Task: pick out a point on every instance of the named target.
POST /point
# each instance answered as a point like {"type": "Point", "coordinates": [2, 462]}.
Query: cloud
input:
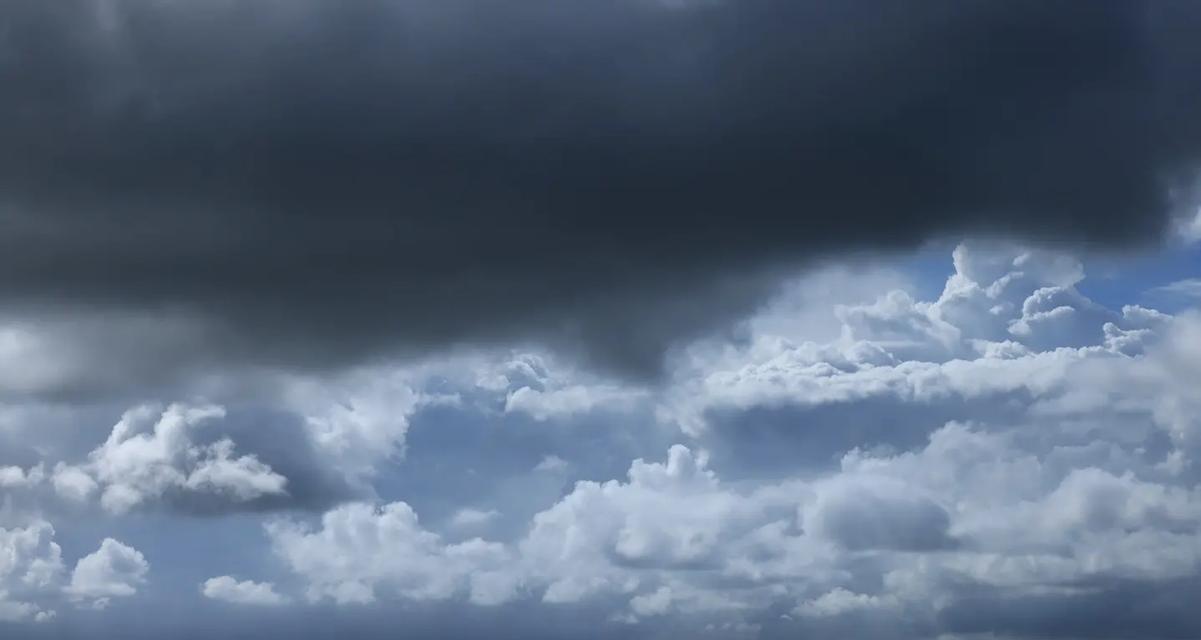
{"type": "Point", "coordinates": [1189, 289]}
{"type": "Point", "coordinates": [1189, 229]}
{"type": "Point", "coordinates": [13, 477]}
{"type": "Point", "coordinates": [150, 456]}
{"type": "Point", "coordinates": [1009, 320]}
{"type": "Point", "coordinates": [1033, 445]}
{"type": "Point", "coordinates": [546, 404]}
{"type": "Point", "coordinates": [248, 592]}
{"type": "Point", "coordinates": [674, 539]}
{"type": "Point", "coordinates": [360, 549]}
{"type": "Point", "coordinates": [840, 601]}
{"type": "Point", "coordinates": [652, 604]}
{"type": "Point", "coordinates": [671, 515]}
{"type": "Point", "coordinates": [54, 355]}
{"type": "Point", "coordinates": [473, 517]}
{"type": "Point", "coordinates": [32, 573]}
{"type": "Point", "coordinates": [73, 483]}
{"type": "Point", "coordinates": [359, 419]}
{"type": "Point", "coordinates": [865, 513]}
{"type": "Point", "coordinates": [625, 539]}
{"type": "Point", "coordinates": [115, 570]}
{"type": "Point", "coordinates": [31, 569]}
{"type": "Point", "coordinates": [608, 177]}
{"type": "Point", "coordinates": [1003, 455]}
{"type": "Point", "coordinates": [551, 464]}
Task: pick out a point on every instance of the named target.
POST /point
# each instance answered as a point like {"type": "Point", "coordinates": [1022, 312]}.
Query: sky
{"type": "Point", "coordinates": [600, 319]}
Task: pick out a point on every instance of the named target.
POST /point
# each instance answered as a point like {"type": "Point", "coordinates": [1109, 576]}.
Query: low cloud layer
{"type": "Point", "coordinates": [1079, 493]}
{"type": "Point", "coordinates": [1005, 456]}
{"type": "Point", "coordinates": [312, 183]}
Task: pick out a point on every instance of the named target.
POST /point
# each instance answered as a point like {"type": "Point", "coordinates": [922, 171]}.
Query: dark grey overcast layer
{"type": "Point", "coordinates": [326, 179]}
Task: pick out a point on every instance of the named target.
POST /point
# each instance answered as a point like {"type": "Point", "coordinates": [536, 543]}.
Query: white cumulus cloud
{"type": "Point", "coordinates": [115, 570]}
{"type": "Point", "coordinates": [31, 569]}
{"type": "Point", "coordinates": [150, 454]}
{"type": "Point", "coordinates": [249, 592]}
{"type": "Point", "coordinates": [359, 548]}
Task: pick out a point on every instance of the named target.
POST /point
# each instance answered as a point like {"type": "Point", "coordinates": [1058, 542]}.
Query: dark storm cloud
{"type": "Point", "coordinates": [322, 180]}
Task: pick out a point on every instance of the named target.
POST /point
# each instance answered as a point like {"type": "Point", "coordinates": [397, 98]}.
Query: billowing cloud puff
{"type": "Point", "coordinates": [1008, 321]}
{"type": "Point", "coordinates": [115, 570]}
{"type": "Point", "coordinates": [671, 516]}
{"type": "Point", "coordinates": [360, 550]}
{"type": "Point", "coordinates": [150, 456]}
{"type": "Point", "coordinates": [33, 576]}
{"type": "Point", "coordinates": [31, 568]}
{"type": "Point", "coordinates": [531, 388]}
{"type": "Point", "coordinates": [14, 477]}
{"type": "Point", "coordinates": [248, 592]}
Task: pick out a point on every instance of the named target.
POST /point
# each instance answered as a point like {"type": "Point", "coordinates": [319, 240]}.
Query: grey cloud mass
{"type": "Point", "coordinates": [639, 319]}
{"type": "Point", "coordinates": [318, 182]}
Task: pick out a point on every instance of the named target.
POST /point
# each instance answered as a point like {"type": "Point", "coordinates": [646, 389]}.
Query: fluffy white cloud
{"type": "Point", "coordinates": [32, 573]}
{"type": "Point", "coordinates": [361, 550]}
{"type": "Point", "coordinates": [115, 570]}
{"type": "Point", "coordinates": [535, 390]}
{"type": "Point", "coordinates": [150, 454]}
{"type": "Point", "coordinates": [73, 483]}
{"type": "Point", "coordinates": [13, 477]}
{"type": "Point", "coordinates": [359, 420]}
{"type": "Point", "coordinates": [31, 569]}
{"type": "Point", "coordinates": [1031, 519]}
{"type": "Point", "coordinates": [671, 516]}
{"type": "Point", "coordinates": [645, 539]}
{"type": "Point", "coordinates": [243, 478]}
{"type": "Point", "coordinates": [1008, 320]}
{"type": "Point", "coordinates": [249, 592]}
